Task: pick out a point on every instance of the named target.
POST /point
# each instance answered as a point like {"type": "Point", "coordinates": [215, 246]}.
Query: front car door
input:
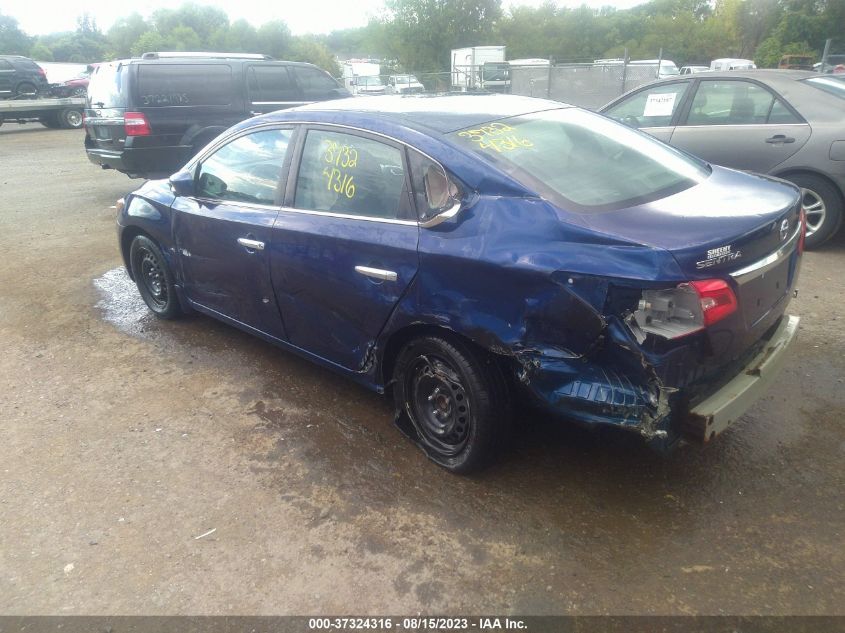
{"type": "Point", "coordinates": [653, 109]}
{"type": "Point", "coordinates": [271, 87]}
{"type": "Point", "coordinates": [344, 248]}
{"type": "Point", "coordinates": [740, 124]}
{"type": "Point", "coordinates": [222, 234]}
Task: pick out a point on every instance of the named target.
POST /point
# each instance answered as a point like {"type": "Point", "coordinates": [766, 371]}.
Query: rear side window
{"type": "Point", "coordinates": [245, 170]}
{"type": "Point", "coordinates": [162, 85]}
{"type": "Point", "coordinates": [315, 83]}
{"type": "Point", "coordinates": [104, 91]}
{"type": "Point", "coordinates": [5, 65]}
{"type": "Point", "coordinates": [270, 84]}
{"type": "Point", "coordinates": [736, 103]}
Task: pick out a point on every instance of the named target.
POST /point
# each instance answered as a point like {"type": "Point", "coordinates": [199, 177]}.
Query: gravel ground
{"type": "Point", "coordinates": [186, 468]}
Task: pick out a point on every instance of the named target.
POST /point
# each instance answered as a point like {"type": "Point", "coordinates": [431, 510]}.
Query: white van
{"type": "Point", "coordinates": [729, 63]}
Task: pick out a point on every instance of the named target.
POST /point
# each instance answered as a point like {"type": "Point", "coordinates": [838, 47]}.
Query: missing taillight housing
{"type": "Point", "coordinates": [136, 124]}
{"type": "Point", "coordinates": [685, 309]}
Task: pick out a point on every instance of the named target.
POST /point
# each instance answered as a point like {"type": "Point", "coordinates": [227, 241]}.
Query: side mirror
{"type": "Point", "coordinates": [182, 184]}
{"type": "Point", "coordinates": [444, 198]}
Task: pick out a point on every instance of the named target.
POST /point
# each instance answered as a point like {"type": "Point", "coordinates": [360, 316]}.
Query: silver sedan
{"type": "Point", "coordinates": [786, 123]}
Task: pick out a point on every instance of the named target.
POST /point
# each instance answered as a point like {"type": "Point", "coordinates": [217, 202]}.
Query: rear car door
{"type": "Point", "coordinates": [740, 124]}
{"type": "Point", "coordinates": [7, 75]}
{"type": "Point", "coordinates": [223, 233]}
{"type": "Point", "coordinates": [271, 87]}
{"type": "Point", "coordinates": [653, 109]}
{"type": "Point", "coordinates": [344, 248]}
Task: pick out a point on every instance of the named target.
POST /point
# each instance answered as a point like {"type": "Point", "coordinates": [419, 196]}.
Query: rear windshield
{"type": "Point", "coordinates": [582, 161]}
{"type": "Point", "coordinates": [104, 90]}
{"type": "Point", "coordinates": [161, 85]}
{"type": "Point", "coordinates": [831, 85]}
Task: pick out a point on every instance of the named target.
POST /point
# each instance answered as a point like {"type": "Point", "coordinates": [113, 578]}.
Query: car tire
{"type": "Point", "coordinates": [25, 89]}
{"type": "Point", "coordinates": [79, 92]}
{"type": "Point", "coordinates": [70, 119]}
{"type": "Point", "coordinates": [824, 207]}
{"type": "Point", "coordinates": [456, 400]}
{"type": "Point", "coordinates": [153, 277]}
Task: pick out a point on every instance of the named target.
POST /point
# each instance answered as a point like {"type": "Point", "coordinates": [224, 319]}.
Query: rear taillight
{"type": "Point", "coordinates": [803, 235]}
{"type": "Point", "coordinates": [136, 124]}
{"type": "Point", "coordinates": [685, 309]}
{"type": "Point", "coordinates": [42, 72]}
{"type": "Point", "coordinates": [716, 298]}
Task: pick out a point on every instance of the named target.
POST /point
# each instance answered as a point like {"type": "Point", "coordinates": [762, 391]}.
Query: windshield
{"type": "Point", "coordinates": [370, 81]}
{"type": "Point", "coordinates": [104, 91]}
{"type": "Point", "coordinates": [583, 161]}
{"type": "Point", "coordinates": [669, 68]}
{"type": "Point", "coordinates": [831, 85]}
{"type": "Point", "coordinates": [406, 79]}
{"type": "Point", "coordinates": [496, 71]}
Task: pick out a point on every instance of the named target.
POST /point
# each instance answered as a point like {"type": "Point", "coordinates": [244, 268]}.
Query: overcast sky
{"type": "Point", "coordinates": [314, 16]}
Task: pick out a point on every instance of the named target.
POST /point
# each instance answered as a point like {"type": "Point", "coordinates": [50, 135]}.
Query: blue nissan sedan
{"type": "Point", "coordinates": [458, 250]}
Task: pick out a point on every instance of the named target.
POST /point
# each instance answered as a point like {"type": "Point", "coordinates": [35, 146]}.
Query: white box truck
{"type": "Point", "coordinates": [479, 68]}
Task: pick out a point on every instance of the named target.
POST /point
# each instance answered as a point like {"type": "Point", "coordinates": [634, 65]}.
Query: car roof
{"type": "Point", "coordinates": [442, 113]}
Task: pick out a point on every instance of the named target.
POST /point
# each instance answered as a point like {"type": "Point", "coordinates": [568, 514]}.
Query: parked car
{"type": "Point", "coordinates": [145, 117]}
{"type": "Point", "coordinates": [76, 86]}
{"type": "Point", "coordinates": [458, 250]}
{"type": "Point", "coordinates": [20, 77]}
{"type": "Point", "coordinates": [690, 70]}
{"type": "Point", "coordinates": [786, 123]}
{"type": "Point", "coordinates": [404, 85]}
{"type": "Point", "coordinates": [369, 86]}
{"type": "Point", "coordinates": [796, 62]}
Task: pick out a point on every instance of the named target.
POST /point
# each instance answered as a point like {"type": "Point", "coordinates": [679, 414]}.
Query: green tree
{"type": "Point", "coordinates": [420, 33]}
{"type": "Point", "coordinates": [41, 52]}
{"type": "Point", "coordinates": [13, 41]}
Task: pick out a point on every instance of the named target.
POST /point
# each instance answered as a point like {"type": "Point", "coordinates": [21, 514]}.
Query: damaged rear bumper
{"type": "Point", "coordinates": [718, 411]}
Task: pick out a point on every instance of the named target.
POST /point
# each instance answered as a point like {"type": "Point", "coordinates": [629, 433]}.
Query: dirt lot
{"type": "Point", "coordinates": [126, 439]}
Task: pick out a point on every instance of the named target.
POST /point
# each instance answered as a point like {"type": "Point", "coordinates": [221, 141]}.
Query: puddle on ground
{"type": "Point", "coordinates": [121, 304]}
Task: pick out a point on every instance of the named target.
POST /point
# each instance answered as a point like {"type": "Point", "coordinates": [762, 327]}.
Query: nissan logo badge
{"type": "Point", "coordinates": [784, 229]}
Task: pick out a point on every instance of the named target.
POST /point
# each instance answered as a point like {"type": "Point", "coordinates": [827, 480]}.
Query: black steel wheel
{"type": "Point", "coordinates": [153, 278]}
{"type": "Point", "coordinates": [455, 399]}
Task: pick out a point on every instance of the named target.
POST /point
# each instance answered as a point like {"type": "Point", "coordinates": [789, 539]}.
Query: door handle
{"type": "Point", "coordinates": [780, 138]}
{"type": "Point", "coordinates": [376, 273]}
{"type": "Point", "coordinates": [253, 245]}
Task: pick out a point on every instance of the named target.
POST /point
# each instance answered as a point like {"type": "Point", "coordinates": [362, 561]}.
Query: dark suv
{"type": "Point", "coordinates": [20, 76]}
{"type": "Point", "coordinates": [146, 117]}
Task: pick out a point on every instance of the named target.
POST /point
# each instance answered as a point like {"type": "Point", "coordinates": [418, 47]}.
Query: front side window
{"type": "Point", "coordinates": [271, 84]}
{"type": "Point", "coordinates": [315, 83]}
{"type": "Point", "coordinates": [347, 174]}
{"type": "Point", "coordinates": [653, 107]}
{"type": "Point", "coordinates": [582, 161]}
{"type": "Point", "coordinates": [245, 170]}
{"type": "Point", "coordinates": [736, 103]}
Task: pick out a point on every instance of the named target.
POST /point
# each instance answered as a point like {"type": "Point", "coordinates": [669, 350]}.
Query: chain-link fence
{"type": "Point", "coordinates": [585, 84]}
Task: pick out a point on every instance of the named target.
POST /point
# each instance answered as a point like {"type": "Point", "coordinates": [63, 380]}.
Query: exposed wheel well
{"type": "Point", "coordinates": [129, 234]}
{"type": "Point", "coordinates": [809, 172]}
{"type": "Point", "coordinates": [398, 339]}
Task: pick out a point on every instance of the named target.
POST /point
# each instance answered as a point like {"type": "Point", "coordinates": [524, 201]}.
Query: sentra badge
{"type": "Point", "coordinates": [720, 255]}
